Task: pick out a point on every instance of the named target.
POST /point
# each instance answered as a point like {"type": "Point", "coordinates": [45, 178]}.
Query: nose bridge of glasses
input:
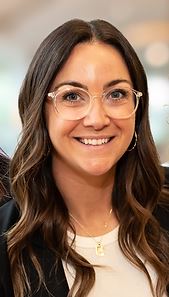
{"type": "Point", "coordinates": [96, 108]}
{"type": "Point", "coordinates": [96, 96]}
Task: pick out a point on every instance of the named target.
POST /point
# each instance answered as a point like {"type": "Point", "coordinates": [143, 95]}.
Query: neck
{"type": "Point", "coordinates": [88, 198]}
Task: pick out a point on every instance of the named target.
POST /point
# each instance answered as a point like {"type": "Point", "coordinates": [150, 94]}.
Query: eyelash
{"type": "Point", "coordinates": [122, 92]}
{"type": "Point", "coordinates": [65, 96]}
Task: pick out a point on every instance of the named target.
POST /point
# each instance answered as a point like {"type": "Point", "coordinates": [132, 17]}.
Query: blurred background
{"type": "Point", "coordinates": [25, 23]}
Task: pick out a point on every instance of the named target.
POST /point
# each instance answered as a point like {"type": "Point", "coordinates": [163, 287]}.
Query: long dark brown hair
{"type": "Point", "coordinates": [4, 177]}
{"type": "Point", "coordinates": [138, 187]}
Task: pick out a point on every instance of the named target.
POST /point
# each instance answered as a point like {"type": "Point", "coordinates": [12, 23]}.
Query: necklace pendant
{"type": "Point", "coordinates": [99, 249]}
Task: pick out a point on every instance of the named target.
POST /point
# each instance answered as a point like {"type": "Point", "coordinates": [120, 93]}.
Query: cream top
{"type": "Point", "coordinates": [117, 276]}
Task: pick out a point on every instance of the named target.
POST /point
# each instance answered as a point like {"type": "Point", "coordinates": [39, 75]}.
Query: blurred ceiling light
{"type": "Point", "coordinates": [159, 92]}
{"type": "Point", "coordinates": [157, 54]}
{"type": "Point", "coordinates": [159, 113]}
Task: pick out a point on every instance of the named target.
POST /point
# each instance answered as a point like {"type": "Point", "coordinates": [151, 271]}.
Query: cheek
{"type": "Point", "coordinates": [58, 129]}
{"type": "Point", "coordinates": [130, 135]}
{"type": "Point", "coordinates": [127, 129]}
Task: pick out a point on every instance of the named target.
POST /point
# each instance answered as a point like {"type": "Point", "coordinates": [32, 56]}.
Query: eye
{"type": "Point", "coordinates": [71, 96]}
{"type": "Point", "coordinates": [117, 94]}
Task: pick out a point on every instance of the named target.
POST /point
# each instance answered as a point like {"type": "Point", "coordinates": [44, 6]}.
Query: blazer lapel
{"type": "Point", "coordinates": [55, 278]}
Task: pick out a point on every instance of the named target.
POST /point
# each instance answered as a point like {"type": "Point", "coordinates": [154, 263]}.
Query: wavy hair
{"type": "Point", "coordinates": [4, 177]}
{"type": "Point", "coordinates": [138, 175]}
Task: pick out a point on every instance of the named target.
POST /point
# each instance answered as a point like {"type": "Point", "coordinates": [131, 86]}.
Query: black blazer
{"type": "Point", "coordinates": [55, 280]}
{"type": "Point", "coordinates": [57, 283]}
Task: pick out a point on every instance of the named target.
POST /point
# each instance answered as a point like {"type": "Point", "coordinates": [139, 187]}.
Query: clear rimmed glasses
{"type": "Point", "coordinates": [74, 103]}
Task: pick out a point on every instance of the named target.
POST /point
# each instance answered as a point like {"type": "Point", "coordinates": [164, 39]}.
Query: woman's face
{"type": "Point", "coordinates": [94, 144]}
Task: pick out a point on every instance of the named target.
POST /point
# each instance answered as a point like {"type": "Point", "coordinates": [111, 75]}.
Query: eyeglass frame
{"type": "Point", "coordinates": [52, 96]}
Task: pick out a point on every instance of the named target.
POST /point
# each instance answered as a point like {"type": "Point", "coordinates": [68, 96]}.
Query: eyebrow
{"type": "Point", "coordinates": [80, 85]}
{"type": "Point", "coordinates": [70, 83]}
{"type": "Point", "coordinates": [116, 82]}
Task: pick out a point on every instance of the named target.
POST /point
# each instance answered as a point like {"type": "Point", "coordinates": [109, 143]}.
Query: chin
{"type": "Point", "coordinates": [98, 169]}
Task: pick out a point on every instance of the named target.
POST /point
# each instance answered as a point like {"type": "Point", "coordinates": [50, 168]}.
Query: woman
{"type": "Point", "coordinates": [85, 176]}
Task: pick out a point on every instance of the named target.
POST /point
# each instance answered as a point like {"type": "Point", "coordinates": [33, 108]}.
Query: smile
{"type": "Point", "coordinates": [94, 141]}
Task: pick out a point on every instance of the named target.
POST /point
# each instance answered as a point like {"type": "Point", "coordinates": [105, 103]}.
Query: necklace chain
{"type": "Point", "coordinates": [99, 245]}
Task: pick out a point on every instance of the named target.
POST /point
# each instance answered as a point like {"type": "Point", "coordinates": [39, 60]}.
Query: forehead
{"type": "Point", "coordinates": [93, 63]}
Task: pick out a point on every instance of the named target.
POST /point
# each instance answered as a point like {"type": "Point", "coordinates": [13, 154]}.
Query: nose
{"type": "Point", "coordinates": [96, 116]}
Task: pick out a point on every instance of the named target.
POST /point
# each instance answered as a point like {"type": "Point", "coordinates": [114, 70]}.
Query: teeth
{"type": "Point", "coordinates": [94, 141]}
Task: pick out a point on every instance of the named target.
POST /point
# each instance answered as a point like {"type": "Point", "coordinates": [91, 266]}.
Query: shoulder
{"type": "Point", "coordinates": [6, 288]}
{"type": "Point", "coordinates": [162, 215]}
{"type": "Point", "coordinates": [162, 210]}
{"type": "Point", "coordinates": [166, 175]}
{"type": "Point", "coordinates": [9, 214]}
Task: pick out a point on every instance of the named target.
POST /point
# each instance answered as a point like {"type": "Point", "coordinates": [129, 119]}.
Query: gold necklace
{"type": "Point", "coordinates": [99, 245]}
